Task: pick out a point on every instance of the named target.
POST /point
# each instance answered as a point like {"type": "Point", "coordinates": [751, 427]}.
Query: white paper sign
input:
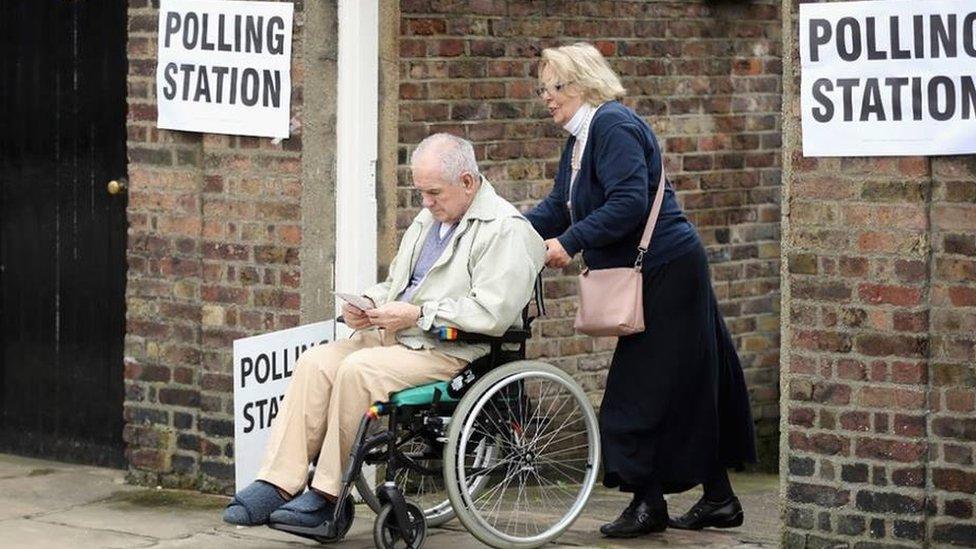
{"type": "Point", "coordinates": [886, 78]}
{"type": "Point", "coordinates": [224, 67]}
{"type": "Point", "coordinates": [263, 366]}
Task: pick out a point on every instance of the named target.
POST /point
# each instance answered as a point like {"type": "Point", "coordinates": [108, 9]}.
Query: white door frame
{"type": "Point", "coordinates": [356, 147]}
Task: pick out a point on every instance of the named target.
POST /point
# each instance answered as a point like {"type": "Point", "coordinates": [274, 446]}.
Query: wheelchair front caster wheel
{"type": "Point", "coordinates": [388, 535]}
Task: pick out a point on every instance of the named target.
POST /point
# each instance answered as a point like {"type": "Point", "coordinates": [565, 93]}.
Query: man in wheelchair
{"type": "Point", "coordinates": [468, 261]}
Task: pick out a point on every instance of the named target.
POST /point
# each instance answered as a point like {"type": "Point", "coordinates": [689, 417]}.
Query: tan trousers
{"type": "Point", "coordinates": [331, 388]}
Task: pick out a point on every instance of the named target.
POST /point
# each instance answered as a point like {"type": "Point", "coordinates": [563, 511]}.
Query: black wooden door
{"type": "Point", "coordinates": [62, 235]}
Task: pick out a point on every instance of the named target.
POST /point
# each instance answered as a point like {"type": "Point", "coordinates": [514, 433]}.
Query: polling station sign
{"type": "Point", "coordinates": [224, 66]}
{"type": "Point", "coordinates": [888, 78]}
{"type": "Point", "coordinates": [263, 366]}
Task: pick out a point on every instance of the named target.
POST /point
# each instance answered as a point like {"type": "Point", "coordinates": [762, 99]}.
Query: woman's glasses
{"type": "Point", "coordinates": [551, 90]}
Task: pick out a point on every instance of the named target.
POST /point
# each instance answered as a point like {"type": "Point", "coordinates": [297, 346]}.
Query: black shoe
{"type": "Point", "coordinates": [638, 518]}
{"type": "Point", "coordinates": [707, 514]}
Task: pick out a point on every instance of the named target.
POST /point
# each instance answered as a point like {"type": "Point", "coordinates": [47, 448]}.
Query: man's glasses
{"type": "Point", "coordinates": [551, 90]}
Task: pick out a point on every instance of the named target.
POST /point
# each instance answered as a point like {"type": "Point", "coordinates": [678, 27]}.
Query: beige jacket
{"type": "Point", "coordinates": [480, 283]}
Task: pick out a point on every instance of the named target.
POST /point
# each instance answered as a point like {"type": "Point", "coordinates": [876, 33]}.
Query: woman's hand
{"type": "Point", "coordinates": [394, 316]}
{"type": "Point", "coordinates": [355, 318]}
{"type": "Point", "coordinates": [556, 256]}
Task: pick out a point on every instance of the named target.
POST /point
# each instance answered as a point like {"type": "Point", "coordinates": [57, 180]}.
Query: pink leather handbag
{"type": "Point", "coordinates": [612, 300]}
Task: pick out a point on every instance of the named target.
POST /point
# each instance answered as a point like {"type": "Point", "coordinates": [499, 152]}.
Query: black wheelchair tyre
{"type": "Point", "coordinates": [386, 531]}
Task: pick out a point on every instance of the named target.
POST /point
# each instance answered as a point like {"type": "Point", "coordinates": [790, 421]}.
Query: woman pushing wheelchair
{"type": "Point", "coordinates": [675, 412]}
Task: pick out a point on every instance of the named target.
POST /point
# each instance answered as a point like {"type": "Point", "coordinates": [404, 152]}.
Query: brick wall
{"type": "Point", "coordinates": [706, 76]}
{"type": "Point", "coordinates": [215, 231]}
{"type": "Point", "coordinates": [219, 225]}
{"type": "Point", "coordinates": [879, 328]}
{"type": "Point", "coordinates": [951, 380]}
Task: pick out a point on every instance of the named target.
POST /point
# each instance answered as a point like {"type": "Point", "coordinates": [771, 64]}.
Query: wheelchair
{"type": "Point", "coordinates": [509, 446]}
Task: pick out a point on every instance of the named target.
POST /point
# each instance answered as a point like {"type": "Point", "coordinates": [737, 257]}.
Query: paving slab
{"type": "Point", "coordinates": [224, 541]}
{"type": "Point", "coordinates": [49, 488]}
{"type": "Point", "coordinates": [24, 533]}
{"type": "Point", "coordinates": [159, 514]}
{"type": "Point", "coordinates": [49, 504]}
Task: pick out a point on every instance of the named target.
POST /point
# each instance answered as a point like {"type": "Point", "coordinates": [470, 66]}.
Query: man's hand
{"type": "Point", "coordinates": [394, 316]}
{"type": "Point", "coordinates": [354, 317]}
{"type": "Point", "coordinates": [556, 256]}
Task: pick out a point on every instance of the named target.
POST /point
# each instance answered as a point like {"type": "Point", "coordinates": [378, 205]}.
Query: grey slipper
{"type": "Point", "coordinates": [309, 509]}
{"type": "Point", "coordinates": [253, 505]}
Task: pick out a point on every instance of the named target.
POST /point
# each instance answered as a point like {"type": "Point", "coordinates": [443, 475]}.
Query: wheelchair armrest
{"type": "Point", "coordinates": [513, 335]}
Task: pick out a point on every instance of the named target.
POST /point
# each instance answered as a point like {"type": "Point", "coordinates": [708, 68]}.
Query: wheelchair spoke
{"type": "Point", "coordinates": [562, 467]}
{"type": "Point", "coordinates": [548, 414]}
{"type": "Point", "coordinates": [551, 438]}
{"type": "Point", "coordinates": [561, 493]}
{"type": "Point", "coordinates": [500, 489]}
{"type": "Point", "coordinates": [570, 449]}
{"type": "Point", "coordinates": [545, 434]}
{"type": "Point", "coordinates": [549, 418]}
{"type": "Point", "coordinates": [554, 440]}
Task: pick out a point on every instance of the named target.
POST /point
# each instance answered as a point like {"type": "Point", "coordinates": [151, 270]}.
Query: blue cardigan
{"type": "Point", "coordinates": [612, 197]}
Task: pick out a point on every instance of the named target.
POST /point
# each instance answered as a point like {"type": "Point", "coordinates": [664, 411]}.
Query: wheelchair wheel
{"type": "Point", "coordinates": [548, 442]}
{"type": "Point", "coordinates": [387, 533]}
{"type": "Point", "coordinates": [422, 481]}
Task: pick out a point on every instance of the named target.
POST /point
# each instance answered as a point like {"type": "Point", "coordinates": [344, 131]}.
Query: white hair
{"type": "Point", "coordinates": [454, 155]}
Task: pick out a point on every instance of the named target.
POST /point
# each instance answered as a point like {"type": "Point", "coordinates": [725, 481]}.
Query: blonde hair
{"type": "Point", "coordinates": [582, 64]}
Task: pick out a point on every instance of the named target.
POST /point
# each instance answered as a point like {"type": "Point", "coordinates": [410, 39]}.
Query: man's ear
{"type": "Point", "coordinates": [468, 181]}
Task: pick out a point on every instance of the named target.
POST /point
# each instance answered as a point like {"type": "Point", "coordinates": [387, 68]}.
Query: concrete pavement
{"type": "Point", "coordinates": [54, 505]}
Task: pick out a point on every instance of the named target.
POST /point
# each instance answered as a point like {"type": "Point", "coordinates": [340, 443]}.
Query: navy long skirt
{"type": "Point", "coordinates": [676, 409]}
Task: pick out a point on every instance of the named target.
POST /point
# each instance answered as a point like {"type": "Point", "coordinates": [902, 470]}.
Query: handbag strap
{"type": "Point", "coordinates": [651, 219]}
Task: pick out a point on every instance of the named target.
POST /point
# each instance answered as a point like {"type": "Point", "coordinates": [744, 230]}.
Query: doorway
{"type": "Point", "coordinates": [62, 234]}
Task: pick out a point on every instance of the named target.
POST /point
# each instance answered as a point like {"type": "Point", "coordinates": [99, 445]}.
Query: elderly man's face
{"type": "Point", "coordinates": [446, 200]}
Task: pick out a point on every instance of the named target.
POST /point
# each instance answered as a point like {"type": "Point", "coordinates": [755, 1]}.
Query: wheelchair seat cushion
{"type": "Point", "coordinates": [422, 395]}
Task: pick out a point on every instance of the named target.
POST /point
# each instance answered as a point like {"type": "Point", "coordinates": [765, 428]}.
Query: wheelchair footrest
{"type": "Point", "coordinates": [329, 531]}
{"type": "Point", "coordinates": [324, 533]}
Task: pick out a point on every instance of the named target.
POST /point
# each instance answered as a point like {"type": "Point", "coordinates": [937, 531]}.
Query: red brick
{"type": "Point", "coordinates": [960, 400]}
{"type": "Point", "coordinates": [889, 345]}
{"type": "Point", "coordinates": [224, 294]}
{"type": "Point", "coordinates": [882, 397]}
{"type": "Point", "coordinates": [426, 26]}
{"type": "Point", "coordinates": [909, 372]}
{"type": "Point", "coordinates": [954, 218]}
{"type": "Point", "coordinates": [850, 369]}
{"type": "Point", "coordinates": [831, 393]}
{"type": "Point", "coordinates": [816, 340]}
{"type": "Point", "coordinates": [909, 426]}
{"type": "Point", "coordinates": [856, 421]}
{"type": "Point", "coordinates": [879, 371]}
{"type": "Point", "coordinates": [890, 450]}
{"type": "Point", "coordinates": [802, 416]}
{"type": "Point", "coordinates": [915, 322]}
{"type": "Point", "coordinates": [954, 480]}
{"type": "Point", "coordinates": [962, 296]}
{"type": "Point", "coordinates": [448, 47]}
{"type": "Point", "coordinates": [955, 454]}
{"type": "Point", "coordinates": [904, 296]}
{"type": "Point", "coordinates": [958, 508]}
